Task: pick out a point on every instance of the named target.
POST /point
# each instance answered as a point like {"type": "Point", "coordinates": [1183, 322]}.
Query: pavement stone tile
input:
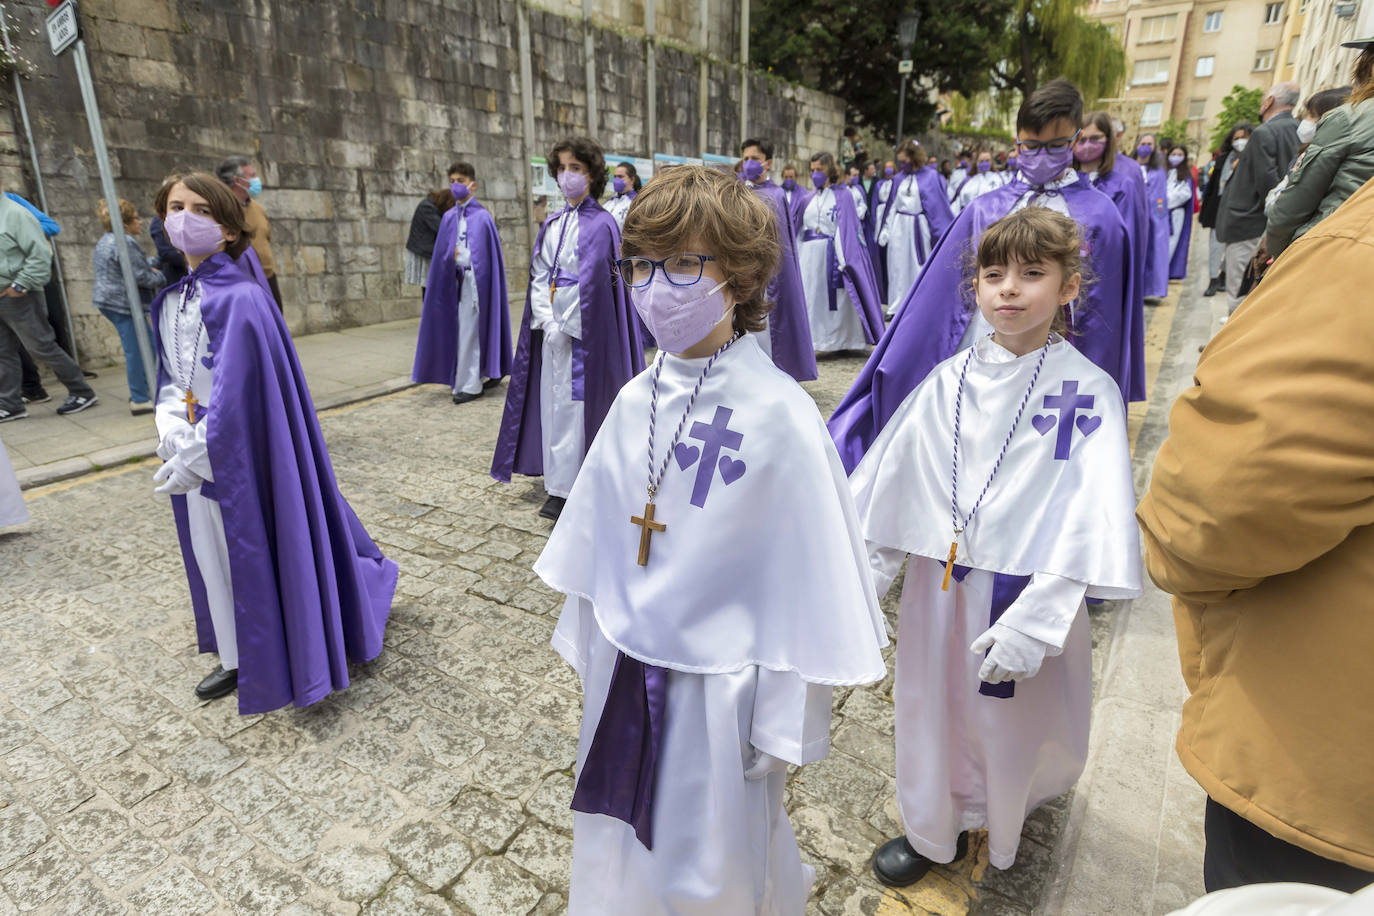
{"type": "Point", "coordinates": [248, 793]}
{"type": "Point", "coordinates": [129, 778]}
{"type": "Point", "coordinates": [368, 752]}
{"type": "Point", "coordinates": [212, 844]}
{"type": "Point", "coordinates": [85, 899]}
{"type": "Point", "coordinates": [256, 883]}
{"type": "Point", "coordinates": [405, 897]}
{"type": "Point", "coordinates": [22, 832]}
{"type": "Point", "coordinates": [315, 773]}
{"type": "Point", "coordinates": [489, 819]}
{"type": "Point", "coordinates": [40, 877]}
{"type": "Point", "coordinates": [59, 793]}
{"type": "Point", "coordinates": [38, 696]}
{"type": "Point", "coordinates": [363, 802]}
{"type": "Point", "coordinates": [355, 873]}
{"type": "Point", "coordinates": [204, 762]}
{"type": "Point", "coordinates": [171, 810]}
{"type": "Point", "coordinates": [430, 853]}
{"type": "Point", "coordinates": [88, 829]}
{"type": "Point", "coordinates": [13, 734]}
{"type": "Point", "coordinates": [449, 744]}
{"type": "Point", "coordinates": [543, 853]}
{"type": "Point", "coordinates": [173, 891]}
{"type": "Point", "coordinates": [133, 857]}
{"type": "Point", "coordinates": [292, 830]}
{"type": "Point", "coordinates": [95, 746]}
{"type": "Point", "coordinates": [165, 735]}
{"type": "Point", "coordinates": [506, 772]}
{"type": "Point", "coordinates": [493, 886]}
{"type": "Point", "coordinates": [31, 762]}
{"type": "Point", "coordinates": [552, 801]}
{"type": "Point", "coordinates": [872, 747]}
{"type": "Point", "coordinates": [843, 781]}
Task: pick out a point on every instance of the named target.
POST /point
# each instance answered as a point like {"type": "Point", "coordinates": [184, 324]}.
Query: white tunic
{"type": "Point", "coordinates": [841, 328]}
{"type": "Point", "coordinates": [978, 185]}
{"type": "Point", "coordinates": [1059, 511]}
{"type": "Point", "coordinates": [1178, 193]}
{"type": "Point", "coordinates": [12, 508]}
{"type": "Point", "coordinates": [956, 183]}
{"type": "Point", "coordinates": [906, 223]}
{"type": "Point", "coordinates": [561, 321]}
{"type": "Point", "coordinates": [468, 375]}
{"type": "Point", "coordinates": [618, 206]}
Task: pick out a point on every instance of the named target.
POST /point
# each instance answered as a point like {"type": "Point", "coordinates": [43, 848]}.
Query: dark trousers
{"type": "Point", "coordinates": [1239, 853]}
{"type": "Point", "coordinates": [57, 320]}
{"type": "Point", "coordinates": [276, 292]}
{"type": "Point", "coordinates": [24, 321]}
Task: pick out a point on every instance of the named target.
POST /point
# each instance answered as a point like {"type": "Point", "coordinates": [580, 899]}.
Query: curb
{"type": "Point", "coordinates": [81, 465]}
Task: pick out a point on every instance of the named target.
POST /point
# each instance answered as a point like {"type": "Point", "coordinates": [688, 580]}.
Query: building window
{"type": "Point", "coordinates": [1264, 60]}
{"type": "Point", "coordinates": [1212, 23]}
{"type": "Point", "coordinates": [1273, 13]}
{"type": "Point", "coordinates": [1197, 109]}
{"type": "Point", "coordinates": [1157, 28]}
{"type": "Point", "coordinates": [1152, 115]}
{"type": "Point", "coordinates": [1150, 72]}
{"type": "Point", "coordinates": [1205, 66]}
{"type": "Point", "coordinates": [1293, 49]}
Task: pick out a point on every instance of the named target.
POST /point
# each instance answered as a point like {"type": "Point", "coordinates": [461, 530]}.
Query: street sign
{"type": "Point", "coordinates": [905, 66]}
{"type": "Point", "coordinates": [64, 27]}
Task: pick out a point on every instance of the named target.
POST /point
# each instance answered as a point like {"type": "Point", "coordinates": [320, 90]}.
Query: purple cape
{"type": "Point", "coordinates": [932, 319]}
{"type": "Point", "coordinates": [1178, 264]}
{"type": "Point", "coordinates": [436, 350]}
{"type": "Point", "coordinates": [1157, 254]}
{"type": "Point", "coordinates": [859, 280]}
{"type": "Point", "coordinates": [796, 209]}
{"type": "Point", "coordinates": [1126, 188]}
{"type": "Point", "coordinates": [789, 329]}
{"type": "Point", "coordinates": [608, 355]}
{"type": "Point", "coordinates": [873, 227]}
{"type": "Point", "coordinates": [311, 590]}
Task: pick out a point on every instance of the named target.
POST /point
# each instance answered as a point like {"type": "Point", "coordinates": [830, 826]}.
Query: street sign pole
{"type": "Point", "coordinates": [901, 109]}
{"type": "Point", "coordinates": [64, 31]}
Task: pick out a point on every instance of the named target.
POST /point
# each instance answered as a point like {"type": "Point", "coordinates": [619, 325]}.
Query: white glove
{"type": "Point", "coordinates": [179, 479]}
{"type": "Point", "coordinates": [882, 237]}
{"type": "Point", "coordinates": [462, 257]}
{"type": "Point", "coordinates": [1014, 656]}
{"type": "Point", "coordinates": [173, 442]}
{"type": "Point", "coordinates": [763, 765]}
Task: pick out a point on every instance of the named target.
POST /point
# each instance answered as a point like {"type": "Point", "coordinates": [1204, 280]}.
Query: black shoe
{"type": "Point", "coordinates": [89, 374]}
{"type": "Point", "coordinates": [77, 403]}
{"type": "Point", "coordinates": [217, 683]}
{"type": "Point", "coordinates": [36, 396]}
{"type": "Point", "coordinates": [553, 507]}
{"type": "Point", "coordinates": [490, 383]}
{"type": "Point", "coordinates": [462, 397]}
{"type": "Point", "coordinates": [1213, 288]}
{"type": "Point", "coordinates": [896, 864]}
{"type": "Point", "coordinates": [8, 415]}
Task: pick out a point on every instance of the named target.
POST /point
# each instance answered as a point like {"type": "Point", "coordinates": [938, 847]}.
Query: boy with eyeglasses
{"type": "Point", "coordinates": [937, 318]}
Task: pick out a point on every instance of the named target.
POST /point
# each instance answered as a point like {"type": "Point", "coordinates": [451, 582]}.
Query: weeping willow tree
{"type": "Point", "coordinates": [1050, 38]}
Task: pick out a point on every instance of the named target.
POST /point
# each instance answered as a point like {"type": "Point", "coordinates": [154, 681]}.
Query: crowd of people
{"type": "Point", "coordinates": [983, 448]}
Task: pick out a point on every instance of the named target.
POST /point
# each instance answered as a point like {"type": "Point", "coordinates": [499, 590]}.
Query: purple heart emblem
{"type": "Point", "coordinates": [730, 469]}
{"type": "Point", "coordinates": [1043, 422]}
{"type": "Point", "coordinates": [686, 455]}
{"type": "Point", "coordinates": [1088, 425]}
{"type": "Point", "coordinates": [205, 361]}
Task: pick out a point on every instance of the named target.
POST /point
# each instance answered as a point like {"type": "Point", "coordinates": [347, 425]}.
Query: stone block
{"type": "Point", "coordinates": [430, 853]}
{"type": "Point", "coordinates": [354, 872]}
{"type": "Point", "coordinates": [156, 74]}
{"type": "Point", "coordinates": [21, 832]}
{"type": "Point", "coordinates": [543, 853]}
{"type": "Point", "coordinates": [493, 885]}
{"type": "Point", "coordinates": [173, 891]}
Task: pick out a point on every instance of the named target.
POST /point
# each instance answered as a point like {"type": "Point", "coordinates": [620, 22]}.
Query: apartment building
{"type": "Point", "coordinates": [1184, 56]}
{"type": "Point", "coordinates": [1321, 62]}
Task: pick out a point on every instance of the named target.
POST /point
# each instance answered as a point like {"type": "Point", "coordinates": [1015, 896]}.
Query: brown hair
{"type": "Point", "coordinates": [127, 214]}
{"type": "Point", "coordinates": [586, 151]}
{"type": "Point", "coordinates": [1030, 235]}
{"type": "Point", "coordinates": [1363, 77]}
{"type": "Point", "coordinates": [225, 208]}
{"type": "Point", "coordinates": [828, 166]}
{"type": "Point", "coordinates": [694, 206]}
{"type": "Point", "coordinates": [1058, 98]}
{"type": "Point", "coordinates": [1102, 120]}
{"type": "Point", "coordinates": [914, 153]}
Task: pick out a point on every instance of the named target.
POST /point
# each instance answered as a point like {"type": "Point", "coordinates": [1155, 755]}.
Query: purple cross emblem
{"type": "Point", "coordinates": [713, 437]}
{"type": "Point", "coordinates": [1067, 402]}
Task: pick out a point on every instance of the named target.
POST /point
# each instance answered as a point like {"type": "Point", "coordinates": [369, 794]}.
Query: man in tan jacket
{"type": "Point", "coordinates": [1260, 522]}
{"type": "Point", "coordinates": [239, 173]}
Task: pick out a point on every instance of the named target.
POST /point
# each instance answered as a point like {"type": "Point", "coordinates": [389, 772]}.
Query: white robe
{"type": "Point", "coordinates": [840, 329]}
{"type": "Point", "coordinates": [12, 508]}
{"type": "Point", "coordinates": [467, 377]}
{"type": "Point", "coordinates": [980, 184]}
{"type": "Point", "coordinates": [905, 220]}
{"type": "Point", "coordinates": [758, 603]}
{"type": "Point", "coordinates": [177, 436]}
{"type": "Point", "coordinates": [956, 183]}
{"type": "Point", "coordinates": [561, 321]}
{"type": "Point", "coordinates": [1178, 194]}
{"type": "Point", "coordinates": [965, 760]}
{"type": "Point", "coordinates": [618, 206]}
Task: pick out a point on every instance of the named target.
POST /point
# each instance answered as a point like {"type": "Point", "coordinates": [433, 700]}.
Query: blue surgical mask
{"type": "Point", "coordinates": [254, 187]}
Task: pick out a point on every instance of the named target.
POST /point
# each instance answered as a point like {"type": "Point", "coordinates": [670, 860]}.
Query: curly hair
{"type": "Point", "coordinates": [828, 166]}
{"type": "Point", "coordinates": [586, 151]}
{"type": "Point", "coordinates": [699, 209]}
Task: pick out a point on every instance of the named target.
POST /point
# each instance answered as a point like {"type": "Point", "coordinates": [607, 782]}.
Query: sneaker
{"type": "Point", "coordinates": [77, 403]}
{"type": "Point", "coordinates": [8, 415]}
{"type": "Point", "coordinates": [36, 396]}
{"type": "Point", "coordinates": [139, 408]}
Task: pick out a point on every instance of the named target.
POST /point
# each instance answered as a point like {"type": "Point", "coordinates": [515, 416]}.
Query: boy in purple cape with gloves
{"type": "Point", "coordinates": [464, 337]}
{"type": "Point", "coordinates": [578, 341]}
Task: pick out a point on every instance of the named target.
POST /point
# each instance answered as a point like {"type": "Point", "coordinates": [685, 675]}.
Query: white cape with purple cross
{"type": "Point", "coordinates": [1055, 525]}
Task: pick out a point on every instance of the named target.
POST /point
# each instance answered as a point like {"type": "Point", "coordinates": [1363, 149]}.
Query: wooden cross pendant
{"type": "Point", "coordinates": [649, 526]}
{"type": "Point", "coordinates": [191, 402]}
{"type": "Point", "coordinates": [553, 288]}
{"type": "Point", "coordinates": [949, 565]}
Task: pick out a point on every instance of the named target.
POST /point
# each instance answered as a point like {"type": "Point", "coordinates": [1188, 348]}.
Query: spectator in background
{"type": "Point", "coordinates": [239, 173]}
{"type": "Point", "coordinates": [1316, 106]}
{"type": "Point", "coordinates": [424, 229]}
{"type": "Point", "coordinates": [25, 267]}
{"type": "Point", "coordinates": [109, 297]}
{"type": "Point", "coordinates": [1240, 220]}
{"type": "Point", "coordinates": [1224, 163]}
{"type": "Point", "coordinates": [850, 148]}
{"type": "Point", "coordinates": [1341, 159]}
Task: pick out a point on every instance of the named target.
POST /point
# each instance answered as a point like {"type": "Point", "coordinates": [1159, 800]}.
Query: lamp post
{"type": "Point", "coordinates": [906, 37]}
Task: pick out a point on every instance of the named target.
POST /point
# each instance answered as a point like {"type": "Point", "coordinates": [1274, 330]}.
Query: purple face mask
{"type": "Point", "coordinates": [1091, 150]}
{"type": "Point", "coordinates": [192, 233]}
{"type": "Point", "coordinates": [888, 172]}
{"type": "Point", "coordinates": [460, 191]}
{"type": "Point", "coordinates": [790, 184]}
{"type": "Point", "coordinates": [752, 170]}
{"type": "Point", "coordinates": [818, 179]}
{"type": "Point", "coordinates": [619, 185]}
{"type": "Point", "coordinates": [1011, 159]}
{"type": "Point", "coordinates": [572, 184]}
{"type": "Point", "coordinates": [1143, 150]}
{"type": "Point", "coordinates": [1176, 159]}
{"type": "Point", "coordinates": [678, 316]}
{"type": "Point", "coordinates": [1041, 166]}
{"type": "Point", "coordinates": [984, 165]}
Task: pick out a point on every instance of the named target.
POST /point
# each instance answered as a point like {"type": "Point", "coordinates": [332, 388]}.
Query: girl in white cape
{"type": "Point", "coordinates": [717, 581]}
{"type": "Point", "coordinates": [1006, 477]}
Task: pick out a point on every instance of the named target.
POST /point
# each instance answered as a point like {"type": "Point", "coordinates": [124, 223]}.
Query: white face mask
{"type": "Point", "coordinates": [1239, 144]}
{"type": "Point", "coordinates": [1306, 131]}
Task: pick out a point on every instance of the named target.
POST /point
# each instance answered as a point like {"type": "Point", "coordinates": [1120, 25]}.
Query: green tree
{"type": "Point", "coordinates": [1050, 38]}
{"type": "Point", "coordinates": [850, 48]}
{"type": "Point", "coordinates": [1240, 104]}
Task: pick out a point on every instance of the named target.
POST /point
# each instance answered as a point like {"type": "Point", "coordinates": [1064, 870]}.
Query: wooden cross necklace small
{"type": "Point", "coordinates": [646, 522]}
{"type": "Point", "coordinates": [184, 381]}
{"type": "Point", "coordinates": [962, 523]}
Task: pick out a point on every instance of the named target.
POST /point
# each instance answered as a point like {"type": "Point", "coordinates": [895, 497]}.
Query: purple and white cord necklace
{"type": "Point", "coordinates": [185, 379]}
{"type": "Point", "coordinates": [961, 522]}
{"type": "Point", "coordinates": [646, 522]}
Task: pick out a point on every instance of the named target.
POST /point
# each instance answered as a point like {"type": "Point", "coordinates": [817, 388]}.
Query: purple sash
{"type": "Point", "coordinates": [832, 263]}
{"type": "Point", "coordinates": [922, 252]}
{"type": "Point", "coordinates": [1005, 590]}
{"type": "Point", "coordinates": [617, 778]}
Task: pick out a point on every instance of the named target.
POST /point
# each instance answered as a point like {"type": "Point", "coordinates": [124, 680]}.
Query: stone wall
{"type": "Point", "coordinates": [354, 108]}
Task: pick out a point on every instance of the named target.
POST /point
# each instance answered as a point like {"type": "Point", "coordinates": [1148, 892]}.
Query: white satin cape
{"type": "Point", "coordinates": [12, 508]}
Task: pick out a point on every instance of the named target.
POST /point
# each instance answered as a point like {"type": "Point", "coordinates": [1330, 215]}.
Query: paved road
{"type": "Point", "coordinates": [438, 783]}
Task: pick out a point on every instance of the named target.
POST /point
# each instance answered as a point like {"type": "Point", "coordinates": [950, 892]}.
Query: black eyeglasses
{"type": "Point", "coordinates": [680, 269]}
{"type": "Point", "coordinates": [1057, 145]}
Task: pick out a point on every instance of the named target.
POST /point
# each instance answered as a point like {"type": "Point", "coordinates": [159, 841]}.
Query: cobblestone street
{"type": "Point", "coordinates": [439, 782]}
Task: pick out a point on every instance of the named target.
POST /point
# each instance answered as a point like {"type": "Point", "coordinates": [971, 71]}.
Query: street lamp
{"type": "Point", "coordinates": [906, 37]}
